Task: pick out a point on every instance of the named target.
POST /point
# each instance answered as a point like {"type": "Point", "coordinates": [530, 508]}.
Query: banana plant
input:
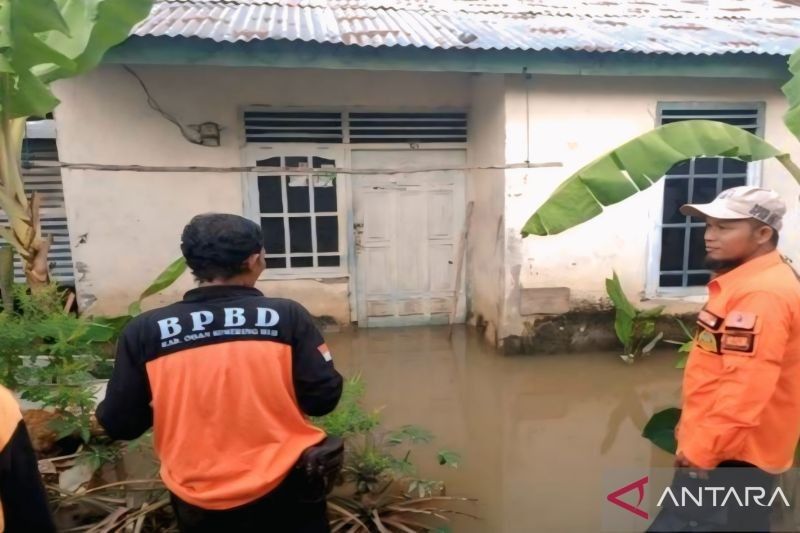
{"type": "Point", "coordinates": [642, 161]}
{"type": "Point", "coordinates": [42, 41]}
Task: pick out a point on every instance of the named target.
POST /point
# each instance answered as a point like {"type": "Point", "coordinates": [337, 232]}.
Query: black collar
{"type": "Point", "coordinates": [214, 292]}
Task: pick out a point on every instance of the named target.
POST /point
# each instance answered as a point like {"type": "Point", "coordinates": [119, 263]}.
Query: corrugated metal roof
{"type": "Point", "coordinates": [647, 26]}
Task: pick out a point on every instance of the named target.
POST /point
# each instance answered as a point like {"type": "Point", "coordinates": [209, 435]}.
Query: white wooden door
{"type": "Point", "coordinates": [406, 230]}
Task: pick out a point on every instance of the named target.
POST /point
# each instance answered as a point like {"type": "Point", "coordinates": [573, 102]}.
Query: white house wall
{"type": "Point", "coordinates": [125, 226]}
{"type": "Point", "coordinates": [487, 138]}
{"type": "Point", "coordinates": [574, 120]}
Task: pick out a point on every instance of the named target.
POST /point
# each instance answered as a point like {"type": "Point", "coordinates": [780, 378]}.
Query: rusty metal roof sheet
{"type": "Point", "coordinates": [647, 26]}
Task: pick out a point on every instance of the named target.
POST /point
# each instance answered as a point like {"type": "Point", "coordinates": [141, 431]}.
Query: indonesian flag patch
{"type": "Point", "coordinates": [326, 353]}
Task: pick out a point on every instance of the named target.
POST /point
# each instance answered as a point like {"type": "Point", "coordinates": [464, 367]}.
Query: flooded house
{"type": "Point", "coordinates": [442, 117]}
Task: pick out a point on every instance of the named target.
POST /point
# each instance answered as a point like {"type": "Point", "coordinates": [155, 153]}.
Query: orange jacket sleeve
{"type": "Point", "coordinates": [748, 381]}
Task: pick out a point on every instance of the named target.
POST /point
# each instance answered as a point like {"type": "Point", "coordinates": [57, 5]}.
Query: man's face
{"type": "Point", "coordinates": [729, 243]}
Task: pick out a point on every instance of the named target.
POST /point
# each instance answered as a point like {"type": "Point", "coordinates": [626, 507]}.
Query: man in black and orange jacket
{"type": "Point", "coordinates": [226, 378]}
{"type": "Point", "coordinates": [23, 501]}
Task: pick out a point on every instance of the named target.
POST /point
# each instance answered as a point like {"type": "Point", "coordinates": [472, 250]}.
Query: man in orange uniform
{"type": "Point", "coordinates": [741, 387]}
{"type": "Point", "coordinates": [226, 378]}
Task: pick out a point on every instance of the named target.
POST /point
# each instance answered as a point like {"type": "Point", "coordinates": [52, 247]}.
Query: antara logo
{"type": "Point", "coordinates": [636, 485]}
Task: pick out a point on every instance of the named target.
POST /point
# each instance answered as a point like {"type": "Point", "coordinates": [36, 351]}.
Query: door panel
{"type": "Point", "coordinates": [406, 228]}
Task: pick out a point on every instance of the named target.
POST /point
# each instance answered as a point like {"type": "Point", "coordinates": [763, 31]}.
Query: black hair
{"type": "Point", "coordinates": [216, 245]}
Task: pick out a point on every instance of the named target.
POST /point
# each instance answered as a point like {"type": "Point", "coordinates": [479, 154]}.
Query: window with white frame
{"type": "Point", "coordinates": [299, 214]}
{"type": "Point", "coordinates": [682, 248]}
{"type": "Point", "coordinates": [303, 216]}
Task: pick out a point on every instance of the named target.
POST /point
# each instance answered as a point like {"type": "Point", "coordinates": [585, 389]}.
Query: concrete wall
{"type": "Point", "coordinates": [574, 120]}
{"type": "Point", "coordinates": [125, 226]}
{"type": "Point", "coordinates": [487, 140]}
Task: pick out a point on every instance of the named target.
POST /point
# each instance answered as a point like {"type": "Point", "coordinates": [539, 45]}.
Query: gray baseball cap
{"type": "Point", "coordinates": [740, 203]}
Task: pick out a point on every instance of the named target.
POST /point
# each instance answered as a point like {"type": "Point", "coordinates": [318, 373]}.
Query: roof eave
{"type": "Point", "coordinates": [300, 54]}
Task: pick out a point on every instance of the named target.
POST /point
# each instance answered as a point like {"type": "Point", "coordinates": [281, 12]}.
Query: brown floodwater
{"type": "Point", "coordinates": [536, 433]}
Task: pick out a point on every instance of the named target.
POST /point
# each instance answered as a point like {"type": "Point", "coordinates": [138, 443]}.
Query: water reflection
{"type": "Point", "coordinates": [535, 433]}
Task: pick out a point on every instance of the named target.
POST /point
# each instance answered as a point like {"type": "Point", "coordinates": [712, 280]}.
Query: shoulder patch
{"type": "Point", "coordinates": [709, 319]}
{"type": "Point", "coordinates": [741, 320]}
{"type": "Point", "coordinates": [326, 353]}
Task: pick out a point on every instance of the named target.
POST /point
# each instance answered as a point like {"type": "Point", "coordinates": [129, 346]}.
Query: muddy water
{"type": "Point", "coordinates": [536, 434]}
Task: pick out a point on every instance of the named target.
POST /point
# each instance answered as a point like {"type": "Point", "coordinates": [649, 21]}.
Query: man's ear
{"type": "Point", "coordinates": [252, 262]}
{"type": "Point", "coordinates": [764, 234]}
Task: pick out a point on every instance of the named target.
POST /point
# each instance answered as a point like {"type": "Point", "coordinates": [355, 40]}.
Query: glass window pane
{"type": "Point", "coordinates": [269, 194]}
{"type": "Point", "coordinates": [324, 186]}
{"type": "Point", "coordinates": [697, 249]}
{"type": "Point", "coordinates": [297, 194]}
{"type": "Point", "coordinates": [707, 165]}
{"type": "Point", "coordinates": [329, 261]}
{"type": "Point", "coordinates": [705, 190]}
{"type": "Point", "coordinates": [276, 262]}
{"type": "Point", "coordinates": [300, 235]}
{"type": "Point", "coordinates": [327, 234]}
{"type": "Point", "coordinates": [676, 193]}
{"type": "Point", "coordinates": [728, 183]}
{"type": "Point", "coordinates": [698, 280]}
{"type": "Point", "coordinates": [679, 168]}
{"type": "Point", "coordinates": [272, 228]}
{"type": "Point", "coordinates": [671, 280]}
{"type": "Point", "coordinates": [672, 248]}
{"type": "Point", "coordinates": [734, 166]}
{"type": "Point", "coordinates": [325, 193]}
{"type": "Point", "coordinates": [307, 261]}
{"type": "Point", "coordinates": [297, 161]}
{"type": "Point", "coordinates": [271, 162]}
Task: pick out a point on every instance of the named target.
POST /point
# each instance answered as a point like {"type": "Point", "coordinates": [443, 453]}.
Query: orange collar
{"type": "Point", "coordinates": [744, 271]}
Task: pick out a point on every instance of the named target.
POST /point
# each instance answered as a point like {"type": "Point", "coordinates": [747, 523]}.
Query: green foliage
{"type": "Point", "coordinates": [349, 418]}
{"type": "Point", "coordinates": [660, 429]}
{"type": "Point", "coordinates": [792, 92]}
{"type": "Point", "coordinates": [7, 277]}
{"type": "Point", "coordinates": [46, 40]}
{"type": "Point", "coordinates": [637, 164]}
{"type": "Point", "coordinates": [684, 346]}
{"type": "Point", "coordinates": [169, 276]}
{"type": "Point", "coordinates": [635, 328]}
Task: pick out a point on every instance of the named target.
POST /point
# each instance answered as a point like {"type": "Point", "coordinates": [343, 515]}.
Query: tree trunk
{"type": "Point", "coordinates": [24, 232]}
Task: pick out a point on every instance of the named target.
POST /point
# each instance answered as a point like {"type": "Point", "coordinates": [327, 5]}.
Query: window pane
{"type": "Point", "coordinates": [697, 249]}
{"type": "Point", "coordinates": [327, 234]}
{"type": "Point", "coordinates": [269, 194]}
{"type": "Point", "coordinates": [707, 165]}
{"type": "Point", "coordinates": [734, 166]}
{"type": "Point", "coordinates": [297, 194]}
{"type": "Point", "coordinates": [329, 261]}
{"type": "Point", "coordinates": [705, 190]}
{"type": "Point", "coordinates": [271, 162]}
{"type": "Point", "coordinates": [696, 280]}
{"type": "Point", "coordinates": [672, 248]}
{"type": "Point", "coordinates": [325, 193]}
{"type": "Point", "coordinates": [676, 193]}
{"type": "Point", "coordinates": [300, 235]}
{"type": "Point", "coordinates": [302, 261]}
{"type": "Point", "coordinates": [324, 186]}
{"type": "Point", "coordinates": [728, 183]}
{"type": "Point", "coordinates": [671, 280]}
{"type": "Point", "coordinates": [679, 168]}
{"type": "Point", "coordinates": [274, 242]}
{"type": "Point", "coordinates": [276, 262]}
{"type": "Point", "coordinates": [297, 161]}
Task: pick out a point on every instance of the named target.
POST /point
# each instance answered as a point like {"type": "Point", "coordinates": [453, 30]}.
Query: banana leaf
{"type": "Point", "coordinates": [169, 276]}
{"type": "Point", "coordinates": [639, 163]}
{"type": "Point", "coordinates": [46, 40]}
{"type": "Point", "coordinates": [792, 92]}
{"type": "Point", "coordinates": [660, 429]}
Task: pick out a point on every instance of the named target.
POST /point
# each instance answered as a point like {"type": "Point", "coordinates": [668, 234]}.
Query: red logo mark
{"type": "Point", "coordinates": [614, 497]}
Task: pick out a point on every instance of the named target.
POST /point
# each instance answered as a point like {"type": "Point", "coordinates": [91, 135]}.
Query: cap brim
{"type": "Point", "coordinates": [713, 210]}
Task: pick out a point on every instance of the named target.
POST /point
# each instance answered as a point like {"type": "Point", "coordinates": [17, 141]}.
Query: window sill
{"type": "Point", "coordinates": [687, 295]}
{"type": "Point", "coordinates": [313, 275]}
